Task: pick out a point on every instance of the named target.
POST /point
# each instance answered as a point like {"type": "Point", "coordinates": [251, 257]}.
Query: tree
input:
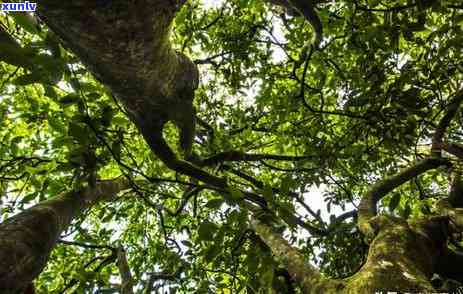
{"type": "Point", "coordinates": [221, 120]}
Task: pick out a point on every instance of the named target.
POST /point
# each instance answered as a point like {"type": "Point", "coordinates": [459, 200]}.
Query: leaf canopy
{"type": "Point", "coordinates": [359, 109]}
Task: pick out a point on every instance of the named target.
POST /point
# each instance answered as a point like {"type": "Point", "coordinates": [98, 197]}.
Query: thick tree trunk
{"type": "Point", "coordinates": [402, 257]}
{"type": "Point", "coordinates": [27, 238]}
{"type": "Point", "coordinates": [125, 44]}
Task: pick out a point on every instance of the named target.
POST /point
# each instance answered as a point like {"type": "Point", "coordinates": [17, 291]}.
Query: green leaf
{"type": "Point", "coordinates": [267, 275]}
{"type": "Point", "coordinates": [79, 132]}
{"type": "Point", "coordinates": [287, 216]}
{"type": "Point", "coordinates": [29, 197]}
{"type": "Point", "coordinates": [26, 21]}
{"type": "Point", "coordinates": [267, 191]}
{"type": "Point", "coordinates": [52, 43]}
{"type": "Point", "coordinates": [235, 193]}
{"type": "Point", "coordinates": [206, 231]}
{"type": "Point", "coordinates": [56, 124]}
{"type": "Point", "coordinates": [116, 148]}
{"type": "Point", "coordinates": [187, 243]}
{"type": "Point", "coordinates": [212, 252]}
{"type": "Point", "coordinates": [50, 92]}
{"type": "Point", "coordinates": [286, 185]}
{"type": "Point", "coordinates": [14, 55]}
{"type": "Point", "coordinates": [107, 116]}
{"type": "Point", "coordinates": [407, 211]}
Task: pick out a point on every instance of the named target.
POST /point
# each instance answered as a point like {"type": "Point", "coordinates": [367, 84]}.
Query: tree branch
{"type": "Point", "coordinates": [258, 184]}
{"type": "Point", "coordinates": [454, 149]}
{"type": "Point", "coordinates": [367, 207]}
{"type": "Point", "coordinates": [444, 123]}
{"type": "Point", "coordinates": [124, 270]}
{"type": "Point", "coordinates": [27, 238]}
{"type": "Point", "coordinates": [304, 274]}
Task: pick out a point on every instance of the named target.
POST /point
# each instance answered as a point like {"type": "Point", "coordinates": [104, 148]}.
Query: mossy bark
{"type": "Point", "coordinates": [304, 274]}
{"type": "Point", "coordinates": [402, 257]}
{"type": "Point", "coordinates": [125, 44]}
{"type": "Point", "coordinates": [27, 238]}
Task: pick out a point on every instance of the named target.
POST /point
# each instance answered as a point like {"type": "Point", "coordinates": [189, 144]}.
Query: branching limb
{"type": "Point", "coordinates": [314, 230]}
{"type": "Point", "coordinates": [86, 245]}
{"type": "Point", "coordinates": [367, 207]}
{"type": "Point", "coordinates": [304, 274]}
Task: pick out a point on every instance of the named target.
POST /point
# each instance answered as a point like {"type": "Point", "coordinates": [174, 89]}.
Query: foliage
{"type": "Point", "coordinates": [355, 111]}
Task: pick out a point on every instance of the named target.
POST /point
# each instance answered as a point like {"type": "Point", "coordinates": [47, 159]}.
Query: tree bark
{"type": "Point", "coordinates": [402, 257]}
{"type": "Point", "coordinates": [27, 238]}
{"type": "Point", "coordinates": [304, 274]}
{"type": "Point", "coordinates": [125, 45]}
{"type": "Point", "coordinates": [124, 271]}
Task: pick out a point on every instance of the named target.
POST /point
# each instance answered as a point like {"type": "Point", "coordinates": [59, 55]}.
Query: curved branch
{"type": "Point", "coordinates": [85, 245]}
{"type": "Point", "coordinates": [439, 133]}
{"type": "Point", "coordinates": [367, 207]}
{"type": "Point", "coordinates": [341, 218]}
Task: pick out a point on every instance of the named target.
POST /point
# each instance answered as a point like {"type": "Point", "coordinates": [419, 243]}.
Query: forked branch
{"type": "Point", "coordinates": [368, 204]}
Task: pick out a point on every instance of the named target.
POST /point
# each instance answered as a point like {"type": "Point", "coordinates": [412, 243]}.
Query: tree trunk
{"type": "Point", "coordinates": [125, 45]}
{"type": "Point", "coordinates": [27, 238]}
{"type": "Point", "coordinates": [402, 257]}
